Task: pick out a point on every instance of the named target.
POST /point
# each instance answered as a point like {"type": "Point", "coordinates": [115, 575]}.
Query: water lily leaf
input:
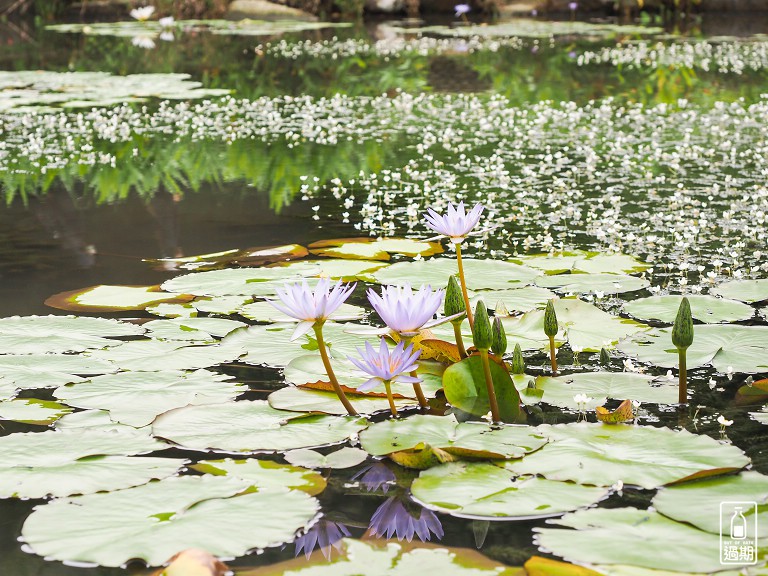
{"type": "Point", "coordinates": [593, 283]}
{"type": "Point", "coordinates": [172, 310]}
{"type": "Point", "coordinates": [639, 455]}
{"type": "Point", "coordinates": [265, 312]}
{"type": "Point", "coordinates": [440, 350]}
{"type": "Point", "coordinates": [230, 282]}
{"type": "Point", "coordinates": [480, 274]}
{"type": "Point", "coordinates": [421, 458]}
{"type": "Point", "coordinates": [154, 521]}
{"type": "Point", "coordinates": [611, 536]}
{"type": "Point", "coordinates": [49, 370]}
{"type": "Point", "coordinates": [334, 268]}
{"type": "Point", "coordinates": [470, 439]}
{"type": "Point", "coordinates": [465, 388]}
{"type": "Point", "coordinates": [752, 393]}
{"type": "Point", "coordinates": [300, 399]}
{"type": "Point", "coordinates": [698, 503]}
{"type": "Point", "coordinates": [106, 298]}
{"type": "Point", "coordinates": [707, 309]}
{"type": "Point", "coordinates": [32, 411]}
{"type": "Point", "coordinates": [601, 386]}
{"type": "Point", "coordinates": [221, 304]}
{"type": "Point", "coordinates": [136, 398]}
{"type": "Point", "coordinates": [584, 262]}
{"type": "Point", "coordinates": [247, 257]}
{"type": "Point", "coordinates": [252, 426]}
{"type": "Point", "coordinates": [623, 413]}
{"type": "Point", "coordinates": [740, 348]}
{"type": "Point", "coordinates": [344, 458]}
{"type": "Point", "coordinates": [56, 334]}
{"type": "Point", "coordinates": [515, 300]}
{"type": "Point", "coordinates": [373, 249]}
{"type": "Point", "coordinates": [265, 474]}
{"type": "Point", "coordinates": [64, 462]}
{"type": "Point", "coordinates": [482, 490]}
{"type": "Point", "coordinates": [96, 420]}
{"type": "Point", "coordinates": [159, 356]}
{"type": "Point", "coordinates": [539, 566]}
{"type": "Point", "coordinates": [761, 417]}
{"type": "Point", "coordinates": [269, 254]}
{"type": "Point", "coordinates": [744, 290]}
{"type": "Point", "coordinates": [192, 329]}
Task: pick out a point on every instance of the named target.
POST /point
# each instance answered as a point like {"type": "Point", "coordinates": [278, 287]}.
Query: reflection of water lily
{"type": "Point", "coordinates": [325, 535]}
{"type": "Point", "coordinates": [394, 518]}
{"type": "Point", "coordinates": [166, 22]}
{"type": "Point", "coordinates": [375, 476]}
{"type": "Point", "coordinates": [456, 223]}
{"type": "Point", "coordinates": [403, 310]}
{"type": "Point", "coordinates": [143, 42]}
{"type": "Point", "coordinates": [309, 306]}
{"type": "Point", "coordinates": [143, 13]}
{"type": "Point", "coordinates": [167, 36]}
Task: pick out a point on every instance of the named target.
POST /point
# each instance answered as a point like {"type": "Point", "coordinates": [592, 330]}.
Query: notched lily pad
{"type": "Point", "coordinates": [601, 386]}
{"type": "Point", "coordinates": [593, 283]}
{"type": "Point", "coordinates": [158, 356]}
{"type": "Point", "coordinates": [374, 249]}
{"type": "Point", "coordinates": [744, 290]}
{"type": "Point", "coordinates": [106, 298]}
{"type": "Point", "coordinates": [265, 474]}
{"type": "Point", "coordinates": [32, 411]}
{"type": "Point", "coordinates": [196, 330]}
{"type": "Point", "coordinates": [344, 458]}
{"type": "Point", "coordinates": [707, 309]}
{"type": "Point", "coordinates": [583, 262]}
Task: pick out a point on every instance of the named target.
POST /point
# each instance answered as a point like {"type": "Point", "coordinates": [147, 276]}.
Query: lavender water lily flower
{"type": "Point", "coordinates": [393, 518]}
{"type": "Point", "coordinates": [404, 311]}
{"type": "Point", "coordinates": [376, 476]}
{"type": "Point", "coordinates": [325, 535]}
{"type": "Point", "coordinates": [456, 223]}
{"type": "Point", "coordinates": [309, 306]}
{"type": "Point", "coordinates": [462, 9]}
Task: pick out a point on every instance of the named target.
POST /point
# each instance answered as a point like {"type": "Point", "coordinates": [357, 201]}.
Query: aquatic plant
{"type": "Point", "coordinates": [483, 339]}
{"type": "Point", "coordinates": [518, 362]}
{"type": "Point", "coordinates": [404, 520]}
{"type": "Point", "coordinates": [455, 307]}
{"type": "Point", "coordinates": [550, 329]}
{"type": "Point", "coordinates": [326, 535]}
{"type": "Point", "coordinates": [682, 338]}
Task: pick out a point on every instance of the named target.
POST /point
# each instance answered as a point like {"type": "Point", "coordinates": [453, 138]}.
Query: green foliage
{"type": "Point", "coordinates": [682, 330]}
{"type": "Point", "coordinates": [499, 342]}
{"type": "Point", "coordinates": [454, 301]}
{"type": "Point", "coordinates": [482, 334]}
{"type": "Point", "coordinates": [518, 362]}
{"type": "Point", "coordinates": [465, 387]}
{"type": "Point", "coordinates": [550, 320]}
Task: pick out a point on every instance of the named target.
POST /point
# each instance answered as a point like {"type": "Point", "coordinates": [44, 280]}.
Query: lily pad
{"type": "Point", "coordinates": [265, 312]}
{"type": "Point", "coordinates": [515, 300]}
{"type": "Point", "coordinates": [482, 490]}
{"type": "Point", "coordinates": [738, 348]}
{"type": "Point", "coordinates": [698, 503]}
{"type": "Point", "coordinates": [584, 262]}
{"type": "Point", "coordinates": [299, 399]}
{"type": "Point", "coordinates": [221, 304]}
{"type": "Point", "coordinates": [136, 398]}
{"type": "Point", "coordinates": [527, 28]}
{"type": "Point", "coordinates": [104, 298]}
{"type": "Point", "coordinates": [265, 474]}
{"type": "Point", "coordinates": [474, 439]}
{"type": "Point", "coordinates": [32, 411]}
{"type": "Point", "coordinates": [230, 282]}
{"type": "Point", "coordinates": [593, 283]}
{"type": "Point", "coordinates": [761, 417]}
{"type": "Point", "coordinates": [707, 309]}
{"type": "Point", "coordinates": [172, 310]}
{"type": "Point", "coordinates": [465, 388]}
{"type": "Point", "coordinates": [373, 249]}
{"type": "Point", "coordinates": [252, 426]}
{"type": "Point", "coordinates": [153, 522]}
{"type": "Point", "coordinates": [343, 458]}
{"type": "Point", "coordinates": [96, 420]}
{"type": "Point", "coordinates": [334, 268]}
{"type": "Point", "coordinates": [743, 290]}
{"type": "Point", "coordinates": [644, 456]}
{"type": "Point", "coordinates": [158, 356]}
{"type": "Point", "coordinates": [192, 329]}
{"type": "Point", "coordinates": [480, 274]}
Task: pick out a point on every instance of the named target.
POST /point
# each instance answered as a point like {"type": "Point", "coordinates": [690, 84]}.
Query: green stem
{"type": "Point", "coordinates": [416, 385]}
{"type": "Point", "coordinates": [464, 288]}
{"type": "Point", "coordinates": [682, 394]}
{"type": "Point", "coordinates": [489, 384]}
{"type": "Point", "coordinates": [459, 339]}
{"type": "Point", "coordinates": [392, 407]}
{"type": "Point", "coordinates": [552, 356]}
{"type": "Point", "coordinates": [318, 327]}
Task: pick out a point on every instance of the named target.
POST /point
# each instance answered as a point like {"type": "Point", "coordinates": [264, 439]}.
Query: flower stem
{"type": "Point", "coordinates": [464, 288]}
{"type": "Point", "coordinates": [552, 357]}
{"type": "Point", "coordinates": [318, 327]}
{"type": "Point", "coordinates": [416, 385]}
{"type": "Point", "coordinates": [489, 384]}
{"type": "Point", "coordinates": [682, 394]}
{"type": "Point", "coordinates": [459, 339]}
{"type": "Point", "coordinates": [388, 387]}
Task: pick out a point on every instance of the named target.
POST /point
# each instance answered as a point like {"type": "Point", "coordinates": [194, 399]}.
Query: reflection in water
{"type": "Point", "coordinates": [374, 477]}
{"type": "Point", "coordinates": [163, 209]}
{"type": "Point", "coordinates": [61, 219]}
{"type": "Point", "coordinates": [403, 519]}
{"type": "Point", "coordinates": [325, 535]}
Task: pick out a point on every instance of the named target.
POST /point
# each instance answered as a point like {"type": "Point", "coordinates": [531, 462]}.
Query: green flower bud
{"type": "Point", "coordinates": [518, 363]}
{"type": "Point", "coordinates": [482, 335]}
{"type": "Point", "coordinates": [550, 319]}
{"type": "Point", "coordinates": [682, 331]}
{"type": "Point", "coordinates": [605, 357]}
{"type": "Point", "coordinates": [454, 301]}
{"type": "Point", "coordinates": [499, 343]}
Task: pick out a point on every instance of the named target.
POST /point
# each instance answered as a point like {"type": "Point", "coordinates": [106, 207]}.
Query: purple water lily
{"type": "Point", "coordinates": [376, 476]}
{"type": "Point", "coordinates": [573, 6]}
{"type": "Point", "coordinates": [462, 9]}
{"type": "Point", "coordinates": [404, 311]}
{"type": "Point", "coordinates": [456, 223]}
{"type": "Point", "coordinates": [394, 518]}
{"type": "Point", "coordinates": [386, 365]}
{"type": "Point", "coordinates": [325, 535]}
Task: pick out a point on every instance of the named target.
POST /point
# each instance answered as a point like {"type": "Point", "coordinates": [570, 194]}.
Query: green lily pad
{"type": "Point", "coordinates": [761, 417]}
{"type": "Point", "coordinates": [611, 536]}
{"type": "Point", "coordinates": [265, 312]}
{"type": "Point", "coordinates": [462, 439]}
{"type": "Point", "coordinates": [480, 274]}
{"type": "Point", "coordinates": [159, 356]}
{"type": "Point", "coordinates": [738, 348]}
{"type": "Point", "coordinates": [32, 411]}
{"type": "Point", "coordinates": [136, 398]}
{"type": "Point", "coordinates": [230, 282]}
{"type": "Point", "coordinates": [593, 283]}
{"type": "Point", "coordinates": [482, 490]}
{"type": "Point", "coordinates": [252, 426]}
{"type": "Point", "coordinates": [49, 370]}
{"type": "Point", "coordinates": [173, 310]}
{"type": "Point", "coordinates": [374, 249]}
{"type": "Point", "coordinates": [295, 399]}
{"type": "Point", "coordinates": [105, 298]}
{"type": "Point", "coordinates": [584, 262]}
{"type": "Point", "coordinates": [265, 474]}
{"type": "Point", "coordinates": [707, 309]}
{"type": "Point", "coordinates": [334, 268]}
{"type": "Point", "coordinates": [153, 522]}
{"type": "Point", "coordinates": [465, 388]}
{"type": "Point", "coordinates": [192, 329]}
{"type": "Point", "coordinates": [60, 463]}
{"type": "Point", "coordinates": [698, 503]}
{"type": "Point", "coordinates": [515, 300]}
{"type": "Point", "coordinates": [600, 386]}
{"type": "Point", "coordinates": [743, 290]}
{"type": "Point", "coordinates": [645, 456]}
{"type": "Point", "coordinates": [344, 458]}
{"type": "Point", "coordinates": [221, 304]}
{"type": "Point", "coordinates": [96, 420]}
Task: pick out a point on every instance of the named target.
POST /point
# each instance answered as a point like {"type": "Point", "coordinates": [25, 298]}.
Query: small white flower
{"type": "Point", "coordinates": [723, 422]}
{"type": "Point", "coordinates": [143, 13]}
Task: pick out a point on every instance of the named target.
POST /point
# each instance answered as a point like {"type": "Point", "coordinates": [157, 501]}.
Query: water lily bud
{"type": "Point", "coordinates": [518, 363]}
{"type": "Point", "coordinates": [682, 331]}
{"type": "Point", "coordinates": [499, 343]}
{"type": "Point", "coordinates": [454, 301]}
{"type": "Point", "coordinates": [550, 320]}
{"type": "Point", "coordinates": [605, 358]}
{"type": "Point", "coordinates": [483, 334]}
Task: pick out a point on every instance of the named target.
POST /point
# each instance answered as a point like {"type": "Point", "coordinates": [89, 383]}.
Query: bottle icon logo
{"type": "Point", "coordinates": [738, 525]}
{"type": "Point", "coordinates": [738, 533]}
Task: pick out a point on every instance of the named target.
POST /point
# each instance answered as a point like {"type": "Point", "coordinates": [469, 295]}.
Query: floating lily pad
{"type": "Point", "coordinates": [645, 456]}
{"type": "Point", "coordinates": [740, 348]}
{"type": "Point", "coordinates": [761, 417]}
{"type": "Point", "coordinates": [462, 439]}
{"type": "Point", "coordinates": [373, 249]}
{"type": "Point", "coordinates": [265, 474]}
{"type": "Point", "coordinates": [221, 304]}
{"type": "Point", "coordinates": [230, 282]}
{"type": "Point", "coordinates": [60, 463]}
{"type": "Point", "coordinates": [343, 458]}
{"type": "Point", "coordinates": [265, 312]}
{"type": "Point", "coordinates": [158, 356]}
{"type": "Point", "coordinates": [172, 310]}
{"type": "Point", "coordinates": [247, 257]}
{"type": "Point", "coordinates": [515, 300]}
{"type": "Point", "coordinates": [593, 283]}
{"type": "Point", "coordinates": [707, 309]}
{"type": "Point", "coordinates": [600, 386]}
{"type": "Point", "coordinates": [585, 262]}
{"type": "Point", "coordinates": [611, 536]}
{"type": "Point", "coordinates": [743, 290]}
{"type": "Point", "coordinates": [96, 420]}
{"type": "Point", "coordinates": [698, 503]}
{"type": "Point", "coordinates": [480, 274]}
{"type": "Point", "coordinates": [296, 399]}
{"type": "Point", "coordinates": [334, 268]}
{"type": "Point", "coordinates": [482, 490]}
{"type": "Point", "coordinates": [525, 28]}
{"type": "Point", "coordinates": [252, 426]}
{"type": "Point", "coordinates": [465, 388]}
{"type": "Point", "coordinates": [153, 522]}
{"type": "Point", "coordinates": [104, 298]}
{"type": "Point", "coordinates": [136, 398]}
{"type": "Point", "coordinates": [192, 329]}
{"type": "Point", "coordinates": [32, 411]}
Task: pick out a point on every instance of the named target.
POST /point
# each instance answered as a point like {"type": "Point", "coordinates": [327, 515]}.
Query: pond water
{"type": "Point", "coordinates": [655, 149]}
